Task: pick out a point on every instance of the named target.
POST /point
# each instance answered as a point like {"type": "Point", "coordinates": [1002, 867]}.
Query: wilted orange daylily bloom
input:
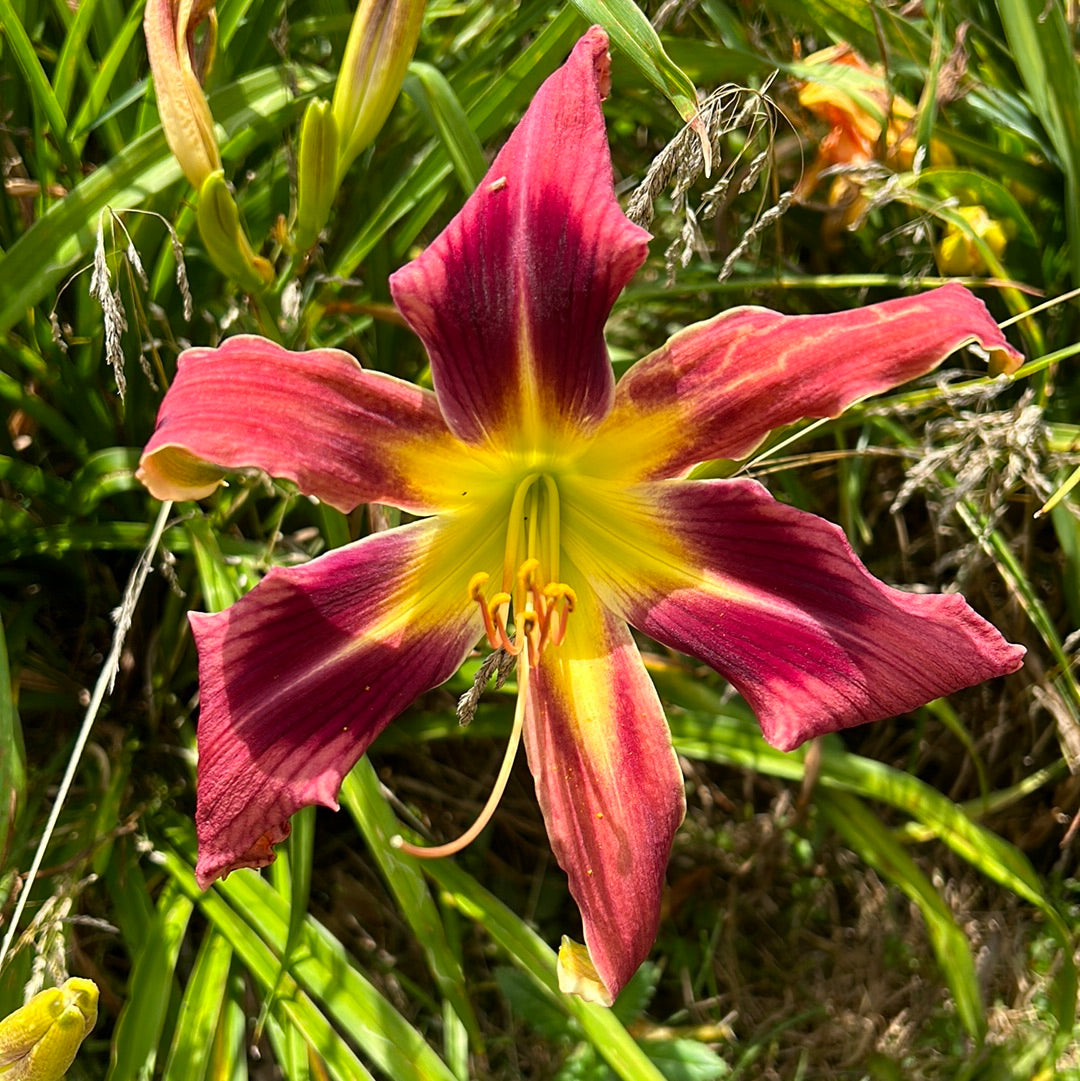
{"type": "Point", "coordinates": [185, 115]}
{"type": "Point", "coordinates": [854, 99]}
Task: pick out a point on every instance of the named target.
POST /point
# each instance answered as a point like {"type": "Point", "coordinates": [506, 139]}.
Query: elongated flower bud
{"type": "Point", "coordinates": [316, 172]}
{"type": "Point", "coordinates": [38, 1042]}
{"type": "Point", "coordinates": [224, 237]}
{"type": "Point", "coordinates": [185, 115]}
{"type": "Point", "coordinates": [377, 54]}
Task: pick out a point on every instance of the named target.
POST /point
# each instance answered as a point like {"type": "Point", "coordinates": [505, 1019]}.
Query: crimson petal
{"type": "Point", "coordinates": [609, 786]}
{"type": "Point", "coordinates": [341, 433]}
{"type": "Point", "coordinates": [717, 388]}
{"type": "Point", "coordinates": [775, 600]}
{"type": "Point", "coordinates": [300, 675]}
{"type": "Point", "coordinates": [511, 299]}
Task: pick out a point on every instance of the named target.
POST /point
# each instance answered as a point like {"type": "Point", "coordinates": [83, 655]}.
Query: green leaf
{"type": "Point", "coordinates": [632, 34]}
{"type": "Point", "coordinates": [200, 1011]}
{"type": "Point", "coordinates": [435, 98]}
{"type": "Point", "coordinates": [139, 1028]}
{"type": "Point", "coordinates": [687, 1060]}
{"type": "Point", "coordinates": [532, 1004]}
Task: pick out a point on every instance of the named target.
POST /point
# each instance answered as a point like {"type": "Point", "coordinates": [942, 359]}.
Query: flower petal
{"type": "Point", "coordinates": [511, 299]}
{"type": "Point", "coordinates": [608, 783]}
{"type": "Point", "coordinates": [775, 600]}
{"type": "Point", "coordinates": [345, 435]}
{"type": "Point", "coordinates": [299, 676]}
{"type": "Point", "coordinates": [717, 388]}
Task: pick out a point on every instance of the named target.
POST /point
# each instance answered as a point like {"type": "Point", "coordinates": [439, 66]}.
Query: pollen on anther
{"type": "Point", "coordinates": [498, 184]}
{"type": "Point", "coordinates": [476, 584]}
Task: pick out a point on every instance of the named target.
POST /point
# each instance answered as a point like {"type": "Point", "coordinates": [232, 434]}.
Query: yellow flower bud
{"type": "Point", "coordinates": [959, 253]}
{"type": "Point", "coordinates": [38, 1042]}
{"type": "Point", "coordinates": [381, 44]}
{"type": "Point", "coordinates": [185, 115]}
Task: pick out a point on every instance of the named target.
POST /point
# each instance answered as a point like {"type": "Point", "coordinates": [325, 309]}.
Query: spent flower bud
{"type": "Point", "coordinates": [185, 115]}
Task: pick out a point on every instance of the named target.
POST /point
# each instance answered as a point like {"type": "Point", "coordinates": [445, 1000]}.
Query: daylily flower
{"type": "Point", "coordinates": [853, 98]}
{"type": "Point", "coordinates": [170, 27]}
{"type": "Point", "coordinates": [554, 514]}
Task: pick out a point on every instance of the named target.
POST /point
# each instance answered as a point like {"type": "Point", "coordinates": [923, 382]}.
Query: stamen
{"type": "Point", "coordinates": [563, 602]}
{"type": "Point", "coordinates": [498, 610]}
{"type": "Point", "coordinates": [452, 847]}
{"type": "Point", "coordinates": [552, 517]}
{"type": "Point", "coordinates": [511, 555]}
{"type": "Point", "coordinates": [476, 593]}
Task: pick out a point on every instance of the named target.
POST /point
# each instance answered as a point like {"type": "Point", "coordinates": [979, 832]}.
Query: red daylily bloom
{"type": "Point", "coordinates": [554, 500]}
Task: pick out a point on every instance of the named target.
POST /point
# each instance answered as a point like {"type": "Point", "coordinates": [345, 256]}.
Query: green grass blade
{"type": "Point", "coordinates": [73, 52]}
{"type": "Point", "coordinates": [435, 98]}
{"type": "Point", "coordinates": [294, 1005]}
{"type": "Point", "coordinates": [200, 1014]}
{"type": "Point", "coordinates": [90, 115]}
{"type": "Point", "coordinates": [632, 34]}
{"type": "Point", "coordinates": [1041, 43]}
{"type": "Point", "coordinates": [41, 91]}
{"type": "Point", "coordinates": [12, 770]}
{"type": "Point", "coordinates": [299, 863]}
{"type": "Point", "coordinates": [139, 1029]}
{"type": "Point", "coordinates": [361, 796]}
{"type": "Point", "coordinates": [876, 846]}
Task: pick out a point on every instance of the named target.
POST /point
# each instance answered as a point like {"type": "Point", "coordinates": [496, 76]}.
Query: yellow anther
{"type": "Point", "coordinates": [476, 585]}
{"type": "Point", "coordinates": [526, 574]}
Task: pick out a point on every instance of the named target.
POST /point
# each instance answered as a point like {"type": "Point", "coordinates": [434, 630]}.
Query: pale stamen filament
{"type": "Point", "coordinates": [552, 519]}
{"type": "Point", "coordinates": [474, 831]}
{"type": "Point", "coordinates": [511, 556]}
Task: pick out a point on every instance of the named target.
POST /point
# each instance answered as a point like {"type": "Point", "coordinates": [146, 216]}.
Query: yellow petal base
{"type": "Point", "coordinates": [578, 975]}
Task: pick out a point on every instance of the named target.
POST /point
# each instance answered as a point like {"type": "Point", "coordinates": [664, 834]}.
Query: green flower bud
{"type": "Point", "coordinates": [316, 171]}
{"type": "Point", "coordinates": [225, 240]}
{"type": "Point", "coordinates": [377, 54]}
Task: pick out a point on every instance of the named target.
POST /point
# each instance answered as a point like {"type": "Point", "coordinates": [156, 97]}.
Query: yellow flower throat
{"type": "Point", "coordinates": [541, 603]}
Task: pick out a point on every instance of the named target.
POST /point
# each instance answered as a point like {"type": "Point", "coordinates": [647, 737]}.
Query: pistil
{"type": "Point", "coordinates": [541, 607]}
{"type": "Point", "coordinates": [474, 831]}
